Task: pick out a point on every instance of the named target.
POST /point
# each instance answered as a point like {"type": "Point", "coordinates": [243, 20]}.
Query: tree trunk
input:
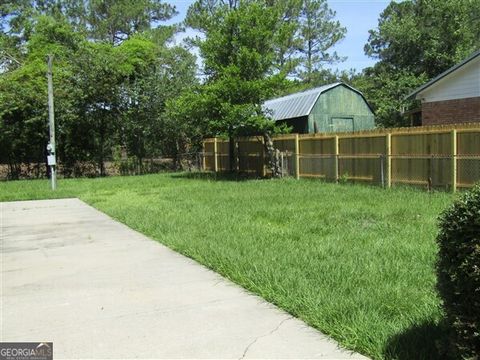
{"type": "Point", "coordinates": [176, 157]}
{"type": "Point", "coordinates": [13, 169]}
{"type": "Point", "coordinates": [101, 155]}
{"type": "Point", "coordinates": [309, 62]}
{"type": "Point", "coordinates": [273, 156]}
{"type": "Point", "coordinates": [101, 164]}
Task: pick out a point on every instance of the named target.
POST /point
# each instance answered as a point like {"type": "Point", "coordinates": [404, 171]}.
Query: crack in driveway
{"type": "Point", "coordinates": [265, 335]}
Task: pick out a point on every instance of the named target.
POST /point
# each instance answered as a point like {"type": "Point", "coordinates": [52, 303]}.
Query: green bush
{"type": "Point", "coordinates": [458, 272]}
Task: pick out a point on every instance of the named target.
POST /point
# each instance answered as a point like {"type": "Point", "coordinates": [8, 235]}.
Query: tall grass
{"type": "Point", "coordinates": [356, 262]}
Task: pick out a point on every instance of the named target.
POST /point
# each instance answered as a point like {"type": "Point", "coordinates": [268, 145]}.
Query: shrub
{"type": "Point", "coordinates": [458, 272]}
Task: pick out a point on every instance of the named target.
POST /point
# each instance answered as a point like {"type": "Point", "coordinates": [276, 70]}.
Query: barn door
{"type": "Point", "coordinates": [341, 124]}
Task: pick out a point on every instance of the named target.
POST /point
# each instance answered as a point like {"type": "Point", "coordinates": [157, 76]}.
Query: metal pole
{"type": "Point", "coordinates": [51, 122]}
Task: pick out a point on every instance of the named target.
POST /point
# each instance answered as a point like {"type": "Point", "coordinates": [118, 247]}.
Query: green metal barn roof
{"type": "Point", "coordinates": [298, 104]}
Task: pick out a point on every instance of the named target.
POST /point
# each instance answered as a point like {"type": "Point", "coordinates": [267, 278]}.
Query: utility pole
{"type": "Point", "coordinates": [51, 158]}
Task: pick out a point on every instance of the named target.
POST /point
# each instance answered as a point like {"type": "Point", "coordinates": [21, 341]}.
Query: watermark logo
{"type": "Point", "coordinates": [26, 351]}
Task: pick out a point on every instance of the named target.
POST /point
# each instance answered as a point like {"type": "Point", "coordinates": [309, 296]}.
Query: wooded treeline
{"type": "Point", "coordinates": [113, 73]}
{"type": "Point", "coordinates": [121, 82]}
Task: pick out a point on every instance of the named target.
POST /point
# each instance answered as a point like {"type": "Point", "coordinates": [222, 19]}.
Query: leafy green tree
{"type": "Point", "coordinates": [184, 124]}
{"type": "Point", "coordinates": [239, 57]}
{"type": "Point", "coordinates": [125, 89]}
{"type": "Point", "coordinates": [117, 20]}
{"type": "Point", "coordinates": [428, 37]}
{"type": "Point", "coordinates": [286, 41]}
{"type": "Point", "coordinates": [146, 129]}
{"type": "Point", "coordinates": [319, 32]}
{"type": "Point", "coordinates": [385, 91]}
{"type": "Point", "coordinates": [105, 95]}
{"type": "Point", "coordinates": [302, 35]}
{"type": "Point", "coordinates": [117, 83]}
{"type": "Point", "coordinates": [415, 41]}
{"type": "Point", "coordinates": [100, 71]}
{"type": "Point", "coordinates": [248, 48]}
{"type": "Point", "coordinates": [18, 17]}
{"type": "Point", "coordinates": [107, 20]}
{"type": "Point", "coordinates": [23, 95]}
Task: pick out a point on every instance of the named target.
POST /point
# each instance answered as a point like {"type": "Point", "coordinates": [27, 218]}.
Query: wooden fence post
{"type": "Point", "coordinates": [335, 164]}
{"type": "Point", "coordinates": [215, 157]}
{"type": "Point", "coordinates": [454, 160]}
{"type": "Point", "coordinates": [388, 155]}
{"type": "Point", "coordinates": [297, 157]}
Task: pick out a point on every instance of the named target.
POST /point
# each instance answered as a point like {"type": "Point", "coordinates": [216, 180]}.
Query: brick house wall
{"type": "Point", "coordinates": [451, 111]}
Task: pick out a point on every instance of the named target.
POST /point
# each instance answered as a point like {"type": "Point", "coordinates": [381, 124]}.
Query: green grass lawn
{"type": "Point", "coordinates": [356, 262]}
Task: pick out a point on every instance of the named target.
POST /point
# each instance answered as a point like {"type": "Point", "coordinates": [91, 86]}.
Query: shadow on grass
{"type": "Point", "coordinates": [424, 341]}
{"type": "Point", "coordinates": [214, 176]}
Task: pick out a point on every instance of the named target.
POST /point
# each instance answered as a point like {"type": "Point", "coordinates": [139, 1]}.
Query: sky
{"type": "Point", "coordinates": [358, 16]}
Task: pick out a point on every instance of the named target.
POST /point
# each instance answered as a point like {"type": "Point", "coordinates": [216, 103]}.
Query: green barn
{"type": "Point", "coordinates": [335, 107]}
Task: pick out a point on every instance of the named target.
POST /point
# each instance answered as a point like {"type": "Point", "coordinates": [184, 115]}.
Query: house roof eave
{"type": "Point", "coordinates": [414, 94]}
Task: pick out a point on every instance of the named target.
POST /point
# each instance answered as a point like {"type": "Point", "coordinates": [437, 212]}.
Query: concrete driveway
{"type": "Point", "coordinates": [97, 289]}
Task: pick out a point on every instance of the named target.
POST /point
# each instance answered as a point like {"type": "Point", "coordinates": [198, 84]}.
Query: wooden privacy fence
{"type": "Point", "coordinates": [435, 157]}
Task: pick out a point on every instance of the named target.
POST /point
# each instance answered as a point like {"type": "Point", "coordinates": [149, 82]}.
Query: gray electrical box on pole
{"type": "Point", "coordinates": [51, 151]}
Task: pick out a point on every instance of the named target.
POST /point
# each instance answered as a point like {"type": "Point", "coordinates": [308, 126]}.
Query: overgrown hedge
{"type": "Point", "coordinates": [458, 272]}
